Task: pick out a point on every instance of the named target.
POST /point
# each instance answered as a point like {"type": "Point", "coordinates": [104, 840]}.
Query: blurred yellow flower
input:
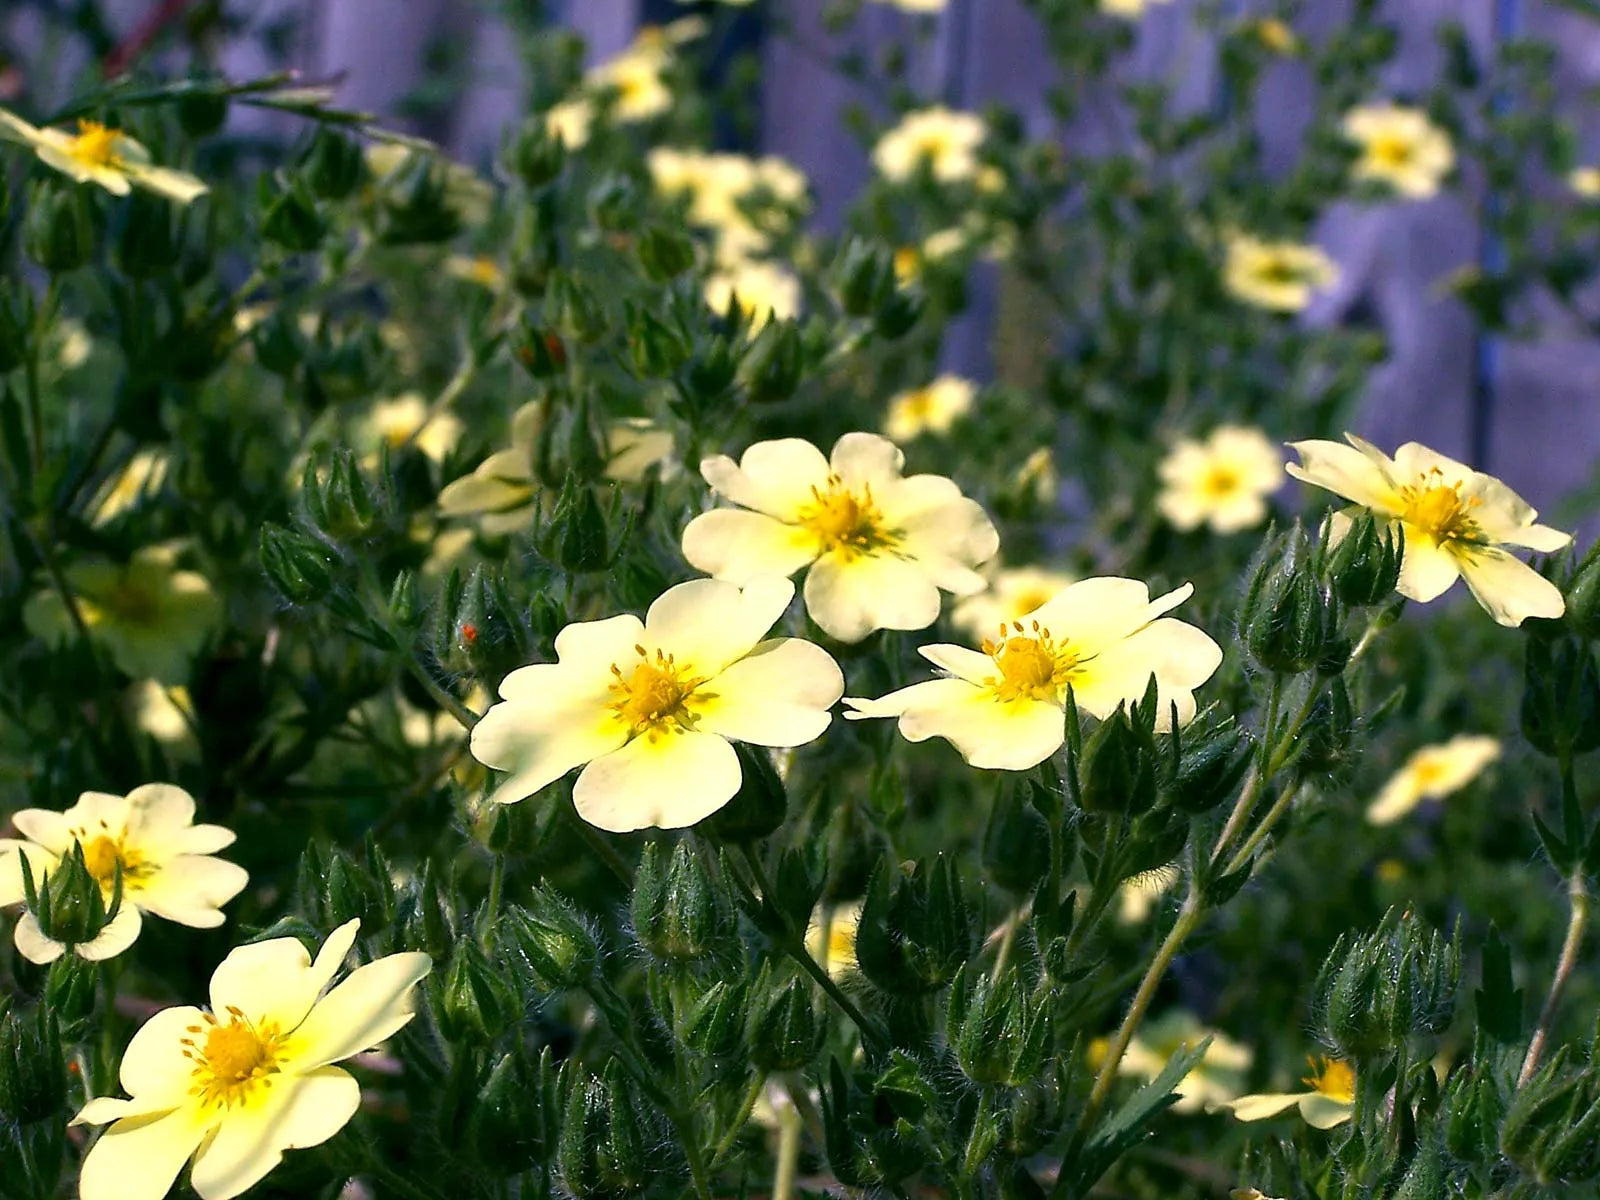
{"type": "Point", "coordinates": [1281, 276]}
{"type": "Point", "coordinates": [1037, 476]}
{"type": "Point", "coordinates": [1400, 147]}
{"type": "Point", "coordinates": [165, 713]}
{"type": "Point", "coordinates": [1222, 480]}
{"type": "Point", "coordinates": [405, 420]}
{"type": "Point", "coordinates": [880, 547]}
{"type": "Point", "coordinates": [571, 121]}
{"type": "Point", "coordinates": [1216, 1078]}
{"type": "Point", "coordinates": [139, 479]}
{"type": "Point", "coordinates": [636, 77]}
{"type": "Point", "coordinates": [107, 158]}
{"type": "Point", "coordinates": [1585, 181]}
{"type": "Point", "coordinates": [1128, 8]}
{"type": "Point", "coordinates": [165, 858]}
{"type": "Point", "coordinates": [238, 1084]}
{"type": "Point", "coordinates": [1455, 521]}
{"type": "Point", "coordinates": [720, 187]}
{"type": "Point", "coordinates": [652, 706]}
{"type": "Point", "coordinates": [1329, 1102]}
{"type": "Point", "coordinates": [947, 142]}
{"type": "Point", "coordinates": [1275, 35]}
{"type": "Point", "coordinates": [1011, 595]}
{"type": "Point", "coordinates": [762, 290]}
{"type": "Point", "coordinates": [1103, 638]}
{"type": "Point", "coordinates": [831, 937]}
{"type": "Point", "coordinates": [1432, 773]}
{"type": "Point", "coordinates": [479, 269]}
{"type": "Point", "coordinates": [1137, 897]}
{"type": "Point", "coordinates": [150, 617]}
{"type": "Point", "coordinates": [931, 409]}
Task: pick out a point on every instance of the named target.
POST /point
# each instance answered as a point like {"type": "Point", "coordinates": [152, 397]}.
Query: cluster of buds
{"type": "Point", "coordinates": [1376, 992]}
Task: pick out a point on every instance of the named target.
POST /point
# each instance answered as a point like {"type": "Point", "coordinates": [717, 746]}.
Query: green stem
{"type": "Point", "coordinates": [1577, 923]}
{"type": "Point", "coordinates": [746, 1107]}
{"type": "Point", "coordinates": [30, 370]}
{"type": "Point", "coordinates": [783, 1175]}
{"type": "Point", "coordinates": [1240, 814]}
{"type": "Point", "coordinates": [497, 874]}
{"type": "Point", "coordinates": [442, 698]}
{"type": "Point", "coordinates": [1279, 807]}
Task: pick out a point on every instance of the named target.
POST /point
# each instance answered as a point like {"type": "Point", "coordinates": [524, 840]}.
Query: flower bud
{"type": "Point", "coordinates": [291, 219]}
{"type": "Point", "coordinates": [535, 156]}
{"type": "Point", "coordinates": [573, 308]}
{"type": "Point", "coordinates": [757, 808]}
{"type": "Point", "coordinates": [332, 165]}
{"type": "Point", "coordinates": [203, 111]}
{"type": "Point", "coordinates": [70, 986]}
{"type": "Point", "coordinates": [899, 313]}
{"type": "Point", "coordinates": [476, 1005]}
{"type": "Point", "coordinates": [68, 903]}
{"type": "Point", "coordinates": [332, 888]}
{"type": "Point", "coordinates": [541, 352]}
{"type": "Point", "coordinates": [1119, 767]}
{"type": "Point", "coordinates": [513, 1126]}
{"type": "Point", "coordinates": [552, 940]}
{"type": "Point", "coordinates": [784, 1031]}
{"type": "Point", "coordinates": [679, 911]}
{"type": "Point", "coordinates": [300, 569]}
{"type": "Point", "coordinates": [148, 235]}
{"type": "Point", "coordinates": [1209, 768]}
{"type": "Point", "coordinates": [1560, 696]}
{"type": "Point", "coordinates": [1583, 594]}
{"type": "Point", "coordinates": [1474, 1112]}
{"type": "Point", "coordinates": [1552, 1127]}
{"type": "Point", "coordinates": [1016, 841]}
{"type": "Point", "coordinates": [1365, 566]}
{"type": "Point", "coordinates": [1375, 993]}
{"type": "Point", "coordinates": [341, 503]}
{"type": "Point", "coordinates": [708, 376]}
{"type": "Point", "coordinates": [58, 228]}
{"type": "Point", "coordinates": [998, 1033]}
{"type": "Point", "coordinates": [869, 1141]}
{"type": "Point", "coordinates": [772, 367]}
{"type": "Point", "coordinates": [430, 923]}
{"type": "Point", "coordinates": [614, 204]}
{"type": "Point", "coordinates": [714, 1023]}
{"type": "Point", "coordinates": [414, 205]}
{"type": "Point", "coordinates": [913, 940]}
{"type": "Point", "coordinates": [1288, 616]}
{"type": "Point", "coordinates": [278, 345]}
{"type": "Point", "coordinates": [348, 365]}
{"type": "Point", "coordinates": [33, 1075]}
{"type": "Point", "coordinates": [863, 277]}
{"type": "Point", "coordinates": [656, 348]}
{"type": "Point", "coordinates": [664, 252]}
{"type": "Point", "coordinates": [602, 1154]}
{"type": "Point", "coordinates": [1325, 745]}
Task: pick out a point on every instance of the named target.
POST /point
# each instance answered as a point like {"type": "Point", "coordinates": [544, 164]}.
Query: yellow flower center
{"type": "Point", "coordinates": [1279, 269]}
{"type": "Point", "coordinates": [1427, 772]}
{"type": "Point", "coordinates": [1336, 1080]}
{"type": "Point", "coordinates": [1032, 665]}
{"type": "Point", "coordinates": [847, 521]}
{"type": "Point", "coordinates": [933, 145]}
{"type": "Point", "coordinates": [1220, 482]}
{"type": "Point", "coordinates": [919, 403]}
{"type": "Point", "coordinates": [654, 697]}
{"type": "Point", "coordinates": [1391, 150]}
{"type": "Point", "coordinates": [102, 855]}
{"type": "Point", "coordinates": [231, 1061]}
{"type": "Point", "coordinates": [907, 263]}
{"type": "Point", "coordinates": [95, 145]}
{"type": "Point", "coordinates": [1440, 510]}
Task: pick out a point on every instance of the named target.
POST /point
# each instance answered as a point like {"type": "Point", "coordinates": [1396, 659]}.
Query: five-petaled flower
{"type": "Point", "coordinates": [944, 141]}
{"type": "Point", "coordinates": [1282, 276]}
{"type": "Point", "coordinates": [879, 546]}
{"type": "Point", "coordinates": [1222, 480]}
{"type": "Point", "coordinates": [105, 157]}
{"type": "Point", "coordinates": [1330, 1101]}
{"type": "Point", "coordinates": [1432, 773]}
{"type": "Point", "coordinates": [165, 860]}
{"type": "Point", "coordinates": [1455, 522]}
{"type": "Point", "coordinates": [931, 409]}
{"type": "Point", "coordinates": [238, 1084]}
{"type": "Point", "coordinates": [1400, 148]}
{"type": "Point", "coordinates": [1103, 639]}
{"type": "Point", "coordinates": [1216, 1078]}
{"type": "Point", "coordinates": [652, 706]}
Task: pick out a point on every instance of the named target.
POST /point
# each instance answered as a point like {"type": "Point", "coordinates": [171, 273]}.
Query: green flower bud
{"type": "Point", "coordinates": [541, 352]}
{"type": "Point", "coordinates": [332, 888]}
{"type": "Point", "coordinates": [278, 345]}
{"type": "Point", "coordinates": [148, 235]}
{"type": "Point", "coordinates": [773, 365]}
{"type": "Point", "coordinates": [1552, 1126]}
{"type": "Point", "coordinates": [1209, 769]}
{"type": "Point", "coordinates": [1375, 993]}
{"type": "Point", "coordinates": [913, 940]}
{"type": "Point", "coordinates": [290, 218]}
{"type": "Point", "coordinates": [476, 1004]}
{"type": "Point", "coordinates": [1424, 1178]}
{"type": "Point", "coordinates": [70, 986]}
{"type": "Point", "coordinates": [430, 923]}
{"type": "Point", "coordinates": [513, 1126]}
{"type": "Point", "coordinates": [68, 903]}
{"type": "Point", "coordinates": [553, 941]}
{"type": "Point", "coordinates": [1560, 696]}
{"type": "Point", "coordinates": [58, 226]}
{"type": "Point", "coordinates": [414, 203]}
{"type": "Point", "coordinates": [332, 164]}
{"type": "Point", "coordinates": [999, 1034]}
{"type": "Point", "coordinates": [535, 156]}
{"type": "Point", "coordinates": [898, 314]}
{"type": "Point", "coordinates": [1326, 741]}
{"type": "Point", "coordinates": [16, 323]}
{"type": "Point", "coordinates": [606, 1150]}
{"type": "Point", "coordinates": [348, 365]}
{"type": "Point", "coordinates": [577, 536]}
{"type": "Point", "coordinates": [200, 343]}
{"type": "Point", "coordinates": [300, 569]}
{"type": "Point", "coordinates": [784, 1031]}
{"type": "Point", "coordinates": [664, 252]}
{"type": "Point", "coordinates": [573, 308]}
{"type": "Point", "coordinates": [680, 912]}
{"type": "Point", "coordinates": [757, 808]}
{"type": "Point", "coordinates": [1365, 566]}
{"type": "Point", "coordinates": [708, 376]}
{"type": "Point", "coordinates": [1016, 841]}
{"type": "Point", "coordinates": [614, 204]}
{"type": "Point", "coordinates": [1288, 616]}
{"type": "Point", "coordinates": [656, 348]}
{"type": "Point", "coordinates": [33, 1074]}
{"type": "Point", "coordinates": [1474, 1110]}
{"type": "Point", "coordinates": [863, 277]}
{"type": "Point", "coordinates": [1120, 764]}
{"type": "Point", "coordinates": [1583, 594]}
{"type": "Point", "coordinates": [714, 1023]}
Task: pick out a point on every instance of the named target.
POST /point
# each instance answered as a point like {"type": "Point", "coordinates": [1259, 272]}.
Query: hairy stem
{"type": "Point", "coordinates": [1577, 924]}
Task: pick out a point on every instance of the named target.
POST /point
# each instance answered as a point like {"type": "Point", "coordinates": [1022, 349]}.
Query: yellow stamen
{"type": "Point", "coordinates": [101, 855]}
{"type": "Point", "coordinates": [95, 145]}
{"type": "Point", "coordinates": [1391, 150]}
{"type": "Point", "coordinates": [1440, 510]}
{"type": "Point", "coordinates": [1220, 482]}
{"type": "Point", "coordinates": [846, 521]}
{"type": "Point", "coordinates": [1032, 665]}
{"type": "Point", "coordinates": [1336, 1080]}
{"type": "Point", "coordinates": [233, 1060]}
{"type": "Point", "coordinates": [654, 697]}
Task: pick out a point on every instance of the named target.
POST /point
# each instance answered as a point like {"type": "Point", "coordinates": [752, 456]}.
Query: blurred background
{"type": "Point", "coordinates": [1527, 409]}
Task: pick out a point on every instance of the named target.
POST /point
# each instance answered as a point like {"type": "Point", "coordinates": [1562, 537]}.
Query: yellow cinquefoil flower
{"type": "Point", "coordinates": [405, 420]}
{"type": "Point", "coordinates": [931, 409]}
{"type": "Point", "coordinates": [1432, 773]}
{"type": "Point", "coordinates": [1585, 181]}
{"type": "Point", "coordinates": [166, 859]}
{"type": "Point", "coordinates": [946, 141]}
{"type": "Point", "coordinates": [637, 78]}
{"type": "Point", "coordinates": [762, 290]}
{"type": "Point", "coordinates": [652, 706]}
{"type": "Point", "coordinates": [1012, 594]}
{"type": "Point", "coordinates": [571, 121]}
{"type": "Point", "coordinates": [1329, 1102]}
{"type": "Point", "coordinates": [1455, 520]}
{"type": "Point", "coordinates": [1128, 8]}
{"type": "Point", "coordinates": [105, 157]}
{"type": "Point", "coordinates": [1215, 1079]}
{"type": "Point", "coordinates": [164, 713]}
{"type": "Point", "coordinates": [151, 618]}
{"type": "Point", "coordinates": [1103, 638]}
{"type": "Point", "coordinates": [880, 547]}
{"type": "Point", "coordinates": [1400, 147]}
{"type": "Point", "coordinates": [831, 937]}
{"type": "Point", "coordinates": [1222, 480]}
{"type": "Point", "coordinates": [1281, 276]}
{"type": "Point", "coordinates": [719, 187]}
{"type": "Point", "coordinates": [500, 492]}
{"type": "Point", "coordinates": [236, 1085]}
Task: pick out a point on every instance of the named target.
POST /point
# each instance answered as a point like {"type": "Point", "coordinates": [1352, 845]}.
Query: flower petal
{"type": "Point", "coordinates": [971, 665]}
{"type": "Point", "coordinates": [668, 781]}
{"type": "Point", "coordinates": [538, 744]}
{"type": "Point", "coordinates": [366, 1008]}
{"type": "Point", "coordinates": [12, 852]}
{"type": "Point", "coordinates": [733, 544]}
{"type": "Point", "coordinates": [706, 624]}
{"type": "Point", "coordinates": [277, 980]}
{"type": "Point", "coordinates": [51, 830]}
{"type": "Point", "coordinates": [591, 646]}
{"type": "Point", "coordinates": [138, 1158]}
{"type": "Point", "coordinates": [190, 889]}
{"type": "Point", "coordinates": [948, 541]}
{"type": "Point", "coordinates": [774, 477]}
{"type": "Point", "coordinates": [32, 943]}
{"type": "Point", "coordinates": [1095, 613]}
{"type": "Point", "coordinates": [1260, 1107]}
{"type": "Point", "coordinates": [1509, 589]}
{"type": "Point", "coordinates": [850, 596]}
{"type": "Point", "coordinates": [1428, 570]}
{"type": "Point", "coordinates": [866, 460]}
{"type": "Point", "coordinates": [1323, 1112]}
{"type": "Point", "coordinates": [1180, 657]}
{"type": "Point", "coordinates": [154, 1070]}
{"type": "Point", "coordinates": [175, 185]}
{"type": "Point", "coordinates": [1346, 471]}
{"type": "Point", "coordinates": [298, 1111]}
{"type": "Point", "coordinates": [777, 695]}
{"type": "Point", "coordinates": [118, 934]}
{"type": "Point", "coordinates": [989, 733]}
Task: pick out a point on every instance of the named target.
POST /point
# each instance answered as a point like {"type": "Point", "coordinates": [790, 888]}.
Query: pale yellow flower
{"type": "Point", "coordinates": [403, 421]}
{"type": "Point", "coordinates": [931, 409]}
{"type": "Point", "coordinates": [166, 861]}
{"type": "Point", "coordinates": [107, 158]}
{"type": "Point", "coordinates": [465, 191]}
{"type": "Point", "coordinates": [1455, 522]}
{"type": "Point", "coordinates": [165, 713]}
{"type": "Point", "coordinates": [1281, 276]}
{"type": "Point", "coordinates": [1222, 480]}
{"type": "Point", "coordinates": [649, 708]}
{"type": "Point", "coordinates": [916, 6]}
{"type": "Point", "coordinates": [1329, 1102]}
{"type": "Point", "coordinates": [479, 269]}
{"type": "Point", "coordinates": [831, 937]}
{"type": "Point", "coordinates": [1585, 181]}
{"type": "Point", "coordinates": [71, 343]}
{"type": "Point", "coordinates": [1400, 148]}
{"type": "Point", "coordinates": [718, 188]}
{"type": "Point", "coordinates": [880, 547]}
{"type": "Point", "coordinates": [1275, 35]}
{"type": "Point", "coordinates": [139, 479]}
{"type": "Point", "coordinates": [1011, 595]}
{"type": "Point", "coordinates": [1105, 639]}
{"type": "Point", "coordinates": [571, 121]}
{"type": "Point", "coordinates": [151, 618]}
{"type": "Point", "coordinates": [235, 1085]}
{"type": "Point", "coordinates": [636, 76]}
{"type": "Point", "coordinates": [946, 142]}
{"type": "Point", "coordinates": [1218, 1077]}
{"type": "Point", "coordinates": [762, 290]}
{"type": "Point", "coordinates": [1432, 773]}
{"type": "Point", "coordinates": [1128, 8]}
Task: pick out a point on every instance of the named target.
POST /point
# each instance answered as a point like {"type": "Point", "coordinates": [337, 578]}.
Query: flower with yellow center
{"type": "Point", "coordinates": [1215, 1079]}
{"type": "Point", "coordinates": [164, 713]}
{"type": "Point", "coordinates": [1400, 148]}
{"type": "Point", "coordinates": [1432, 773]}
{"type": "Point", "coordinates": [931, 409]}
{"type": "Point", "coordinates": [235, 1085]}
{"type": "Point", "coordinates": [648, 709]}
{"type": "Point", "coordinates": [139, 479]}
{"type": "Point", "coordinates": [165, 859]}
{"type": "Point", "coordinates": [571, 121]}
{"type": "Point", "coordinates": [1128, 9]}
{"type": "Point", "coordinates": [406, 421]}
{"type": "Point", "coordinates": [1329, 1102]}
{"type": "Point", "coordinates": [1455, 521]}
{"type": "Point", "coordinates": [151, 618]}
{"type": "Point", "coordinates": [636, 79]}
{"type": "Point", "coordinates": [831, 937]}
{"type": "Point", "coordinates": [1222, 480]}
{"type": "Point", "coordinates": [943, 141]}
{"type": "Point", "coordinates": [1585, 182]}
{"type": "Point", "coordinates": [105, 157]}
{"type": "Point", "coordinates": [916, 6]}
{"type": "Point", "coordinates": [1011, 595]}
{"type": "Point", "coordinates": [1282, 276]}
{"type": "Point", "coordinates": [880, 547]}
{"type": "Point", "coordinates": [1104, 638]}
{"type": "Point", "coordinates": [479, 269]}
{"type": "Point", "coordinates": [761, 290]}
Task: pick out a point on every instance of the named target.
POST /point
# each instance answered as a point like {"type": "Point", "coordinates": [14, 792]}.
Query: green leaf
{"type": "Point", "coordinates": [1499, 1000]}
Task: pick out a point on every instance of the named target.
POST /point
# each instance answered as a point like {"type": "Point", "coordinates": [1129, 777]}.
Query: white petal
{"type": "Point", "coordinates": [138, 1158]}
{"type": "Point", "coordinates": [32, 943]}
{"type": "Point", "coordinates": [1094, 613]}
{"type": "Point", "coordinates": [588, 645]}
{"type": "Point", "coordinates": [1345, 471]}
{"type": "Point", "coordinates": [52, 830]}
{"type": "Point", "coordinates": [774, 477]}
{"type": "Point", "coordinates": [175, 185]}
{"type": "Point", "coordinates": [1427, 570]}
{"type": "Point", "coordinates": [850, 596]}
{"type": "Point", "coordinates": [118, 934]}
{"type": "Point", "coordinates": [1323, 1112]}
{"type": "Point", "coordinates": [158, 807]}
{"type": "Point", "coordinates": [866, 460]}
{"type": "Point", "coordinates": [297, 1111]}
{"type": "Point", "coordinates": [971, 665]}
{"type": "Point", "coordinates": [708, 623]}
{"type": "Point", "coordinates": [1180, 657]}
{"type": "Point", "coordinates": [1509, 589]}
{"type": "Point", "coordinates": [948, 541]}
{"type": "Point", "coordinates": [1259, 1108]}
{"type": "Point", "coordinates": [988, 733]}
{"type": "Point", "coordinates": [670, 781]}
{"type": "Point", "coordinates": [1398, 797]}
{"type": "Point", "coordinates": [154, 1071]}
{"type": "Point", "coordinates": [902, 499]}
{"type": "Point", "coordinates": [190, 889]}
{"type": "Point", "coordinates": [1535, 537]}
{"type": "Point", "coordinates": [277, 980]}
{"type": "Point", "coordinates": [366, 1008]}
{"type": "Point", "coordinates": [734, 544]}
{"type": "Point", "coordinates": [539, 743]}
{"type": "Point", "coordinates": [777, 695]}
{"type": "Point", "coordinates": [11, 854]}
